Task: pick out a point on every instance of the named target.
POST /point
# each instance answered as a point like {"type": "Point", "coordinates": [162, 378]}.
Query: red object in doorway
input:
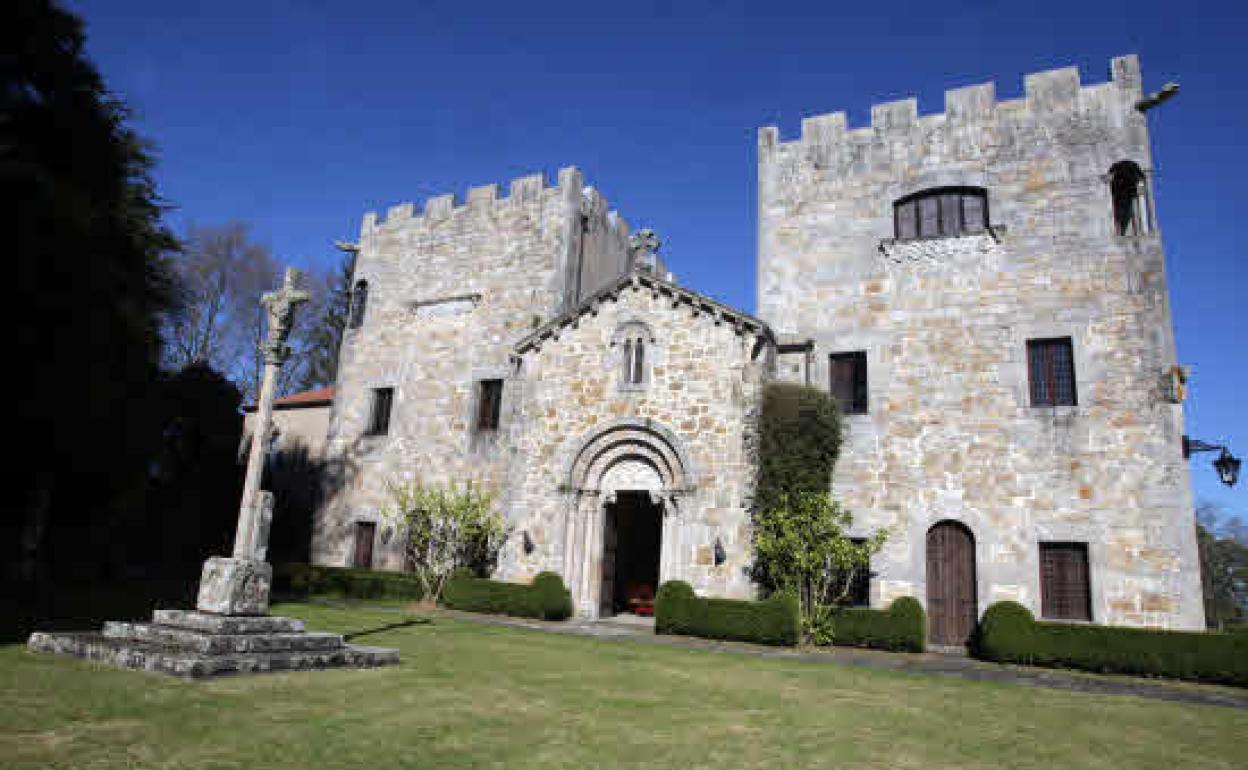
{"type": "Point", "coordinates": [640, 597]}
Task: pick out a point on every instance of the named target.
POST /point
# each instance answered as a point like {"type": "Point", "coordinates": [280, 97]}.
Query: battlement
{"type": "Point", "coordinates": [524, 189]}
{"type": "Point", "coordinates": [1053, 91]}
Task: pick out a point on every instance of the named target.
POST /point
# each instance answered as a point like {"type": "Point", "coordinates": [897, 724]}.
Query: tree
{"type": "Point", "coordinates": [89, 249]}
{"type": "Point", "coordinates": [800, 540]}
{"type": "Point", "coordinates": [446, 528]}
{"type": "Point", "coordinates": [1223, 544]}
{"type": "Point", "coordinates": [218, 319]}
{"type": "Point", "coordinates": [801, 547]}
{"type": "Point", "coordinates": [327, 320]}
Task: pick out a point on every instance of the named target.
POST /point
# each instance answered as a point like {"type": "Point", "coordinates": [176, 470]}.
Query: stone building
{"type": "Point", "coordinates": [983, 291]}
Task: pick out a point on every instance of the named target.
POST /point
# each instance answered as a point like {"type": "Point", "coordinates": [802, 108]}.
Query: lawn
{"type": "Point", "coordinates": [469, 695]}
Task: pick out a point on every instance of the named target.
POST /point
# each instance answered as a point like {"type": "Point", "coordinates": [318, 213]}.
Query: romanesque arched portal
{"type": "Point", "coordinates": [627, 457]}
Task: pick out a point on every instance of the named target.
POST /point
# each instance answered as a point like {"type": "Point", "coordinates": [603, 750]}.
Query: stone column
{"type": "Point", "coordinates": [239, 585]}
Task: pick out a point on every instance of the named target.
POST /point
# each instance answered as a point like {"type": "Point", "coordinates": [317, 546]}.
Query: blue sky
{"type": "Point", "coordinates": [298, 117]}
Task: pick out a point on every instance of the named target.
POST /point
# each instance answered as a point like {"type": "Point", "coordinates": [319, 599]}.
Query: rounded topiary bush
{"type": "Point", "coordinates": [554, 598]}
{"type": "Point", "coordinates": [1005, 633]}
{"type": "Point", "coordinates": [673, 607]}
{"type": "Point", "coordinates": [910, 622]}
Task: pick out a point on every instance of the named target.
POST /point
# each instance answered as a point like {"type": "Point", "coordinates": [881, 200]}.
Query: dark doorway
{"type": "Point", "coordinates": [951, 602]}
{"type": "Point", "coordinates": [632, 531]}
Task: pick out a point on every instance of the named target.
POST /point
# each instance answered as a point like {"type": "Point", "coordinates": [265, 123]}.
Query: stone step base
{"type": "Point", "coordinates": [226, 624]}
{"type": "Point", "coordinates": [149, 656]}
{"type": "Point", "coordinates": [220, 643]}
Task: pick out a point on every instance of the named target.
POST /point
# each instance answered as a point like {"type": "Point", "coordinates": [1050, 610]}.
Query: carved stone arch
{"type": "Point", "coordinates": [632, 327]}
{"type": "Point", "coordinates": [642, 440]}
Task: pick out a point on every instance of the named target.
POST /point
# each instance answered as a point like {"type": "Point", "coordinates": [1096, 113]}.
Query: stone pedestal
{"type": "Point", "coordinates": [230, 586]}
{"type": "Point", "coordinates": [197, 644]}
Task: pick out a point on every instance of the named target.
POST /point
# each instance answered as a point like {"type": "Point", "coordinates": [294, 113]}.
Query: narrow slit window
{"type": "Point", "coordinates": [639, 360]}
{"type": "Point", "coordinates": [848, 373]}
{"type": "Point", "coordinates": [1051, 372]}
{"type": "Point", "coordinates": [359, 302]}
{"type": "Point", "coordinates": [1129, 190]}
{"type": "Point", "coordinates": [489, 404]}
{"type": "Point", "coordinates": [379, 415]}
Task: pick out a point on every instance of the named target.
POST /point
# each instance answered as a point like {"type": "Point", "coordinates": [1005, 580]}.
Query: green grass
{"type": "Point", "coordinates": [471, 695]}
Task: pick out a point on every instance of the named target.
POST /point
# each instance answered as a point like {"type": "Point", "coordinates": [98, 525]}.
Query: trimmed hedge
{"type": "Point", "coordinates": [775, 620]}
{"type": "Point", "coordinates": [351, 583]}
{"type": "Point", "coordinates": [1009, 633]}
{"type": "Point", "coordinates": [545, 599]}
{"type": "Point", "coordinates": [902, 627]}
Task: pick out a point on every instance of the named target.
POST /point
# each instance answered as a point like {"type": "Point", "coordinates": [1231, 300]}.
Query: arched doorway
{"type": "Point", "coordinates": [952, 609]}
{"type": "Point", "coordinates": [625, 484]}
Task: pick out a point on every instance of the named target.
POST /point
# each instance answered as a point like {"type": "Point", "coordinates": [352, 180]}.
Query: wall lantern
{"type": "Point", "coordinates": [720, 556]}
{"type": "Point", "coordinates": [1227, 464]}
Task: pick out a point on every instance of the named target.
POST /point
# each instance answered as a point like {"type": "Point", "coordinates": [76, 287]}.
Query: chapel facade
{"type": "Point", "coordinates": [982, 290]}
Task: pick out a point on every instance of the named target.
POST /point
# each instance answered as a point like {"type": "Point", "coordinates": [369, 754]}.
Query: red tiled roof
{"type": "Point", "coordinates": [318, 397]}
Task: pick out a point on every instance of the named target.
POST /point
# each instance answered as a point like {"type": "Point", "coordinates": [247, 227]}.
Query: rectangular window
{"type": "Point", "coordinates": [365, 534]}
{"type": "Point", "coordinates": [849, 381]}
{"type": "Point", "coordinates": [489, 404]}
{"type": "Point", "coordinates": [1064, 591]}
{"type": "Point", "coordinates": [1051, 371]}
{"type": "Point", "coordinates": [859, 594]}
{"type": "Point", "coordinates": [929, 217]}
{"type": "Point", "coordinates": [379, 418]}
{"type": "Point", "coordinates": [906, 221]}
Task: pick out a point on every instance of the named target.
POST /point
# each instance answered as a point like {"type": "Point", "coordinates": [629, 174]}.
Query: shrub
{"type": "Point", "coordinates": [555, 600]}
{"type": "Point", "coordinates": [1010, 634]}
{"type": "Point", "coordinates": [902, 627]}
{"type": "Point", "coordinates": [775, 620]}
{"type": "Point", "coordinates": [545, 599]}
{"type": "Point", "coordinates": [347, 582]}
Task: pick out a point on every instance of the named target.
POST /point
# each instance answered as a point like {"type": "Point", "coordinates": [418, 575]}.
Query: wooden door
{"type": "Point", "coordinates": [606, 600]}
{"type": "Point", "coordinates": [951, 606]}
{"type": "Point", "coordinates": [365, 533]}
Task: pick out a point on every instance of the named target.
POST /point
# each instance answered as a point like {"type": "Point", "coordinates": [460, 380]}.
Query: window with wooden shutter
{"type": "Point", "coordinates": [848, 384]}
{"type": "Point", "coordinates": [365, 535]}
{"type": "Point", "coordinates": [1064, 590]}
{"type": "Point", "coordinates": [1051, 372]}
{"type": "Point", "coordinates": [379, 416]}
{"type": "Point", "coordinates": [489, 404]}
{"type": "Point", "coordinates": [941, 212]}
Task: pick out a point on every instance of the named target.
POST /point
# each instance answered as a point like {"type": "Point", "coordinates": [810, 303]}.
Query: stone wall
{"type": "Point", "coordinates": [950, 432]}
{"type": "Point", "coordinates": [582, 433]}
{"type": "Point", "coordinates": [450, 290]}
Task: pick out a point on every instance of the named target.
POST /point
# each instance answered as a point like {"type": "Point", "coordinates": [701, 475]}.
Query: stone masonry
{"type": "Point", "coordinates": [542, 291]}
{"type": "Point", "coordinates": [950, 432]}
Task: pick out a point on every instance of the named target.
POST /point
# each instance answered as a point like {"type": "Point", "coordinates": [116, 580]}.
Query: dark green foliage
{"type": "Point", "coordinates": [1008, 633]}
{"type": "Point", "coordinates": [546, 598]}
{"type": "Point", "coordinates": [673, 608]}
{"type": "Point", "coordinates": [775, 620]}
{"type": "Point", "coordinates": [798, 443]}
{"type": "Point", "coordinates": [556, 600]}
{"type": "Point", "coordinates": [89, 282]}
{"type": "Point", "coordinates": [298, 580]}
{"type": "Point", "coordinates": [901, 628]}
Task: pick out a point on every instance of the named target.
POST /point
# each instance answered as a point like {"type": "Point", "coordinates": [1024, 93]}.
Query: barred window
{"type": "Point", "coordinates": [859, 583]}
{"type": "Point", "coordinates": [848, 385]}
{"type": "Point", "coordinates": [1064, 590]}
{"type": "Point", "coordinates": [489, 404]}
{"type": "Point", "coordinates": [941, 212]}
{"type": "Point", "coordinates": [1051, 371]}
{"type": "Point", "coordinates": [379, 417]}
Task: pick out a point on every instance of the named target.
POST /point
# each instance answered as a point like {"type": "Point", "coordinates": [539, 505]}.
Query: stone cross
{"type": "Point", "coordinates": [647, 242]}
{"type": "Point", "coordinates": [281, 305]}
